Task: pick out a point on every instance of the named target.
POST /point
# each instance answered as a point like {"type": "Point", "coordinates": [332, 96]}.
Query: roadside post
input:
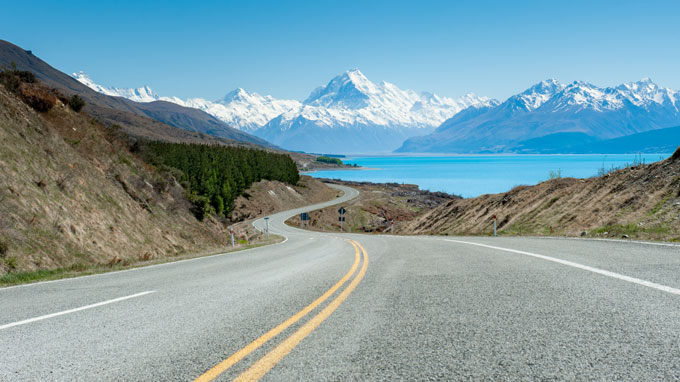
{"type": "Point", "coordinates": [342, 212]}
{"type": "Point", "coordinates": [231, 233]}
{"type": "Point", "coordinates": [266, 229]}
{"type": "Point", "coordinates": [494, 226]}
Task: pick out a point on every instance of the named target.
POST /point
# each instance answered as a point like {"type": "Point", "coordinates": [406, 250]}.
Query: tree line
{"type": "Point", "coordinates": [214, 175]}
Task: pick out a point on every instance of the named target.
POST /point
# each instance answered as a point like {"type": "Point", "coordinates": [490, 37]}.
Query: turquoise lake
{"type": "Point", "coordinates": [473, 175]}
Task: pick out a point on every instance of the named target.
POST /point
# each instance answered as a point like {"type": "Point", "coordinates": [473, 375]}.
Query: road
{"type": "Point", "coordinates": [324, 306]}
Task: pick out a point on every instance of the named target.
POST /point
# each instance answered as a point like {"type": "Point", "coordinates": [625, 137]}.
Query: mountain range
{"type": "Point", "coordinates": [348, 115]}
{"type": "Point", "coordinates": [158, 120]}
{"type": "Point", "coordinates": [351, 114]}
{"type": "Point", "coordinates": [555, 117]}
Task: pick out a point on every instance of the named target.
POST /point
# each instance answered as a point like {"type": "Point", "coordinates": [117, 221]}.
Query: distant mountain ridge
{"type": "Point", "coordinates": [586, 111]}
{"type": "Point", "coordinates": [349, 114]}
{"type": "Point", "coordinates": [153, 120]}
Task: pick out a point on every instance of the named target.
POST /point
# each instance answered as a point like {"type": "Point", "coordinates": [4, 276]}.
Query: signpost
{"type": "Point", "coordinates": [342, 212]}
{"type": "Point", "coordinates": [266, 229]}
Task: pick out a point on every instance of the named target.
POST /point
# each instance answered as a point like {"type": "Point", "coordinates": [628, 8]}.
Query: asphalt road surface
{"type": "Point", "coordinates": [324, 306]}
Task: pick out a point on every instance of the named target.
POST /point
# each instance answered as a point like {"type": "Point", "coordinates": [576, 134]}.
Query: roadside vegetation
{"type": "Point", "coordinates": [214, 176]}
{"type": "Point", "coordinates": [78, 196]}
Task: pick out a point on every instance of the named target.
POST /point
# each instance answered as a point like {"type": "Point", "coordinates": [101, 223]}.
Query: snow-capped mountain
{"type": "Point", "coordinates": [239, 108]}
{"type": "Point", "coordinates": [552, 117]}
{"type": "Point", "coordinates": [352, 114]}
{"type": "Point", "coordinates": [143, 94]}
{"type": "Point", "coordinates": [349, 114]}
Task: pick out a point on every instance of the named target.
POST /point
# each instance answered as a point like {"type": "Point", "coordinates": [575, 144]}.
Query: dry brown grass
{"type": "Point", "coordinates": [641, 201]}
{"type": "Point", "coordinates": [73, 199]}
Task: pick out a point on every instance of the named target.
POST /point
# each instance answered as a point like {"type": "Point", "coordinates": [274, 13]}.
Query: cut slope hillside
{"type": "Point", "coordinates": [72, 197]}
{"type": "Point", "coordinates": [641, 201]}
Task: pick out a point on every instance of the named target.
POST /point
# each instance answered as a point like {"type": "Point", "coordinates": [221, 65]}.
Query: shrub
{"type": "Point", "coordinates": [37, 97]}
{"type": "Point", "coordinates": [3, 248]}
{"type": "Point", "coordinates": [76, 102]}
{"type": "Point", "coordinates": [201, 206]}
{"type": "Point", "coordinates": [11, 263]}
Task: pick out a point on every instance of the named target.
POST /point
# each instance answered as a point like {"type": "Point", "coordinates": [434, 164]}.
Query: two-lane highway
{"type": "Point", "coordinates": [324, 306]}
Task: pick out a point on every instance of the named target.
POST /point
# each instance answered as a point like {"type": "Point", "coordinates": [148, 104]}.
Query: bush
{"type": "Point", "coordinates": [3, 248]}
{"type": "Point", "coordinates": [201, 206]}
{"type": "Point", "coordinates": [39, 98]}
{"type": "Point", "coordinates": [11, 263]}
{"type": "Point", "coordinates": [13, 78]}
{"type": "Point", "coordinates": [76, 103]}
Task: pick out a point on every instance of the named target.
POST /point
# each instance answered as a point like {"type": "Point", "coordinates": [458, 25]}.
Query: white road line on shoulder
{"type": "Point", "coordinates": [603, 272]}
{"type": "Point", "coordinates": [34, 319]}
{"type": "Point", "coordinates": [619, 241]}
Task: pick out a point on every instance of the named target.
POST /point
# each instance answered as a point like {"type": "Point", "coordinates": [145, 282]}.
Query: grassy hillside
{"type": "Point", "coordinates": [641, 201]}
{"type": "Point", "coordinates": [73, 197]}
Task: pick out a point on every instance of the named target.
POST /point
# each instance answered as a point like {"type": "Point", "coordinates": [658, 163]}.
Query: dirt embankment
{"type": "Point", "coordinates": [73, 198]}
{"type": "Point", "coordinates": [638, 202]}
{"type": "Point", "coordinates": [379, 208]}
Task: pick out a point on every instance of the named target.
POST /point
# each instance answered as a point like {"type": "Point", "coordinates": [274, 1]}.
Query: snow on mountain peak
{"type": "Point", "coordinates": [351, 99]}
{"type": "Point", "coordinates": [143, 94]}
{"type": "Point", "coordinates": [536, 95]}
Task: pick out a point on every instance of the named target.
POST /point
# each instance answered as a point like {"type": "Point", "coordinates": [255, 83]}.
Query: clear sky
{"type": "Point", "coordinates": [287, 48]}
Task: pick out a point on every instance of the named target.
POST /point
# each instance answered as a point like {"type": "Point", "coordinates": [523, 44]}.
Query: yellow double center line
{"type": "Point", "coordinates": [266, 363]}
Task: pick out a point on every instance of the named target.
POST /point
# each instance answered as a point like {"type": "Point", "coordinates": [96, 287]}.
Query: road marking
{"type": "Point", "coordinates": [266, 363]}
{"type": "Point", "coordinates": [34, 319]}
{"type": "Point", "coordinates": [239, 355]}
{"type": "Point", "coordinates": [619, 276]}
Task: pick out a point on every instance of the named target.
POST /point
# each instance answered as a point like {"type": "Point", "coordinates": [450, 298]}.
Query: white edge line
{"type": "Point", "coordinates": [142, 267]}
{"type": "Point", "coordinates": [34, 319]}
{"type": "Point", "coordinates": [603, 272]}
{"type": "Point", "coordinates": [620, 241]}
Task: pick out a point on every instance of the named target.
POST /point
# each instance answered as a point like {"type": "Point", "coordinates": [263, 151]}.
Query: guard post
{"type": "Point", "coordinates": [342, 212]}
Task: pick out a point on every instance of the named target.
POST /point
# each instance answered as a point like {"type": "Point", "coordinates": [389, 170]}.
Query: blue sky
{"type": "Point", "coordinates": [286, 49]}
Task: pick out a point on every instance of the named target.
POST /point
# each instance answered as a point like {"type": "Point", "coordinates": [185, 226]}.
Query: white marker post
{"type": "Point", "coordinates": [231, 233]}
{"type": "Point", "coordinates": [494, 226]}
{"type": "Point", "coordinates": [266, 230]}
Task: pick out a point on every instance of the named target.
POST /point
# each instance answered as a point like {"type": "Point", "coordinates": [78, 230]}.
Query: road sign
{"type": "Point", "coordinates": [304, 216]}
{"type": "Point", "coordinates": [342, 210]}
{"type": "Point", "coordinates": [341, 218]}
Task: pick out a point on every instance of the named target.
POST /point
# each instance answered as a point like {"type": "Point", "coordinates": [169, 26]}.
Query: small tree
{"type": "Point", "coordinates": [76, 103]}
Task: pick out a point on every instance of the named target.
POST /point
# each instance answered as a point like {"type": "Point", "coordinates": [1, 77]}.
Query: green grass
{"type": "Point", "coordinates": [43, 274]}
{"type": "Point", "coordinates": [630, 229]}
{"type": "Point", "coordinates": [24, 277]}
{"type": "Point", "coordinates": [659, 205]}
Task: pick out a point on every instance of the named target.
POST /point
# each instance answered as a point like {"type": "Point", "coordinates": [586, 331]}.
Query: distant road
{"type": "Point", "coordinates": [324, 306]}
